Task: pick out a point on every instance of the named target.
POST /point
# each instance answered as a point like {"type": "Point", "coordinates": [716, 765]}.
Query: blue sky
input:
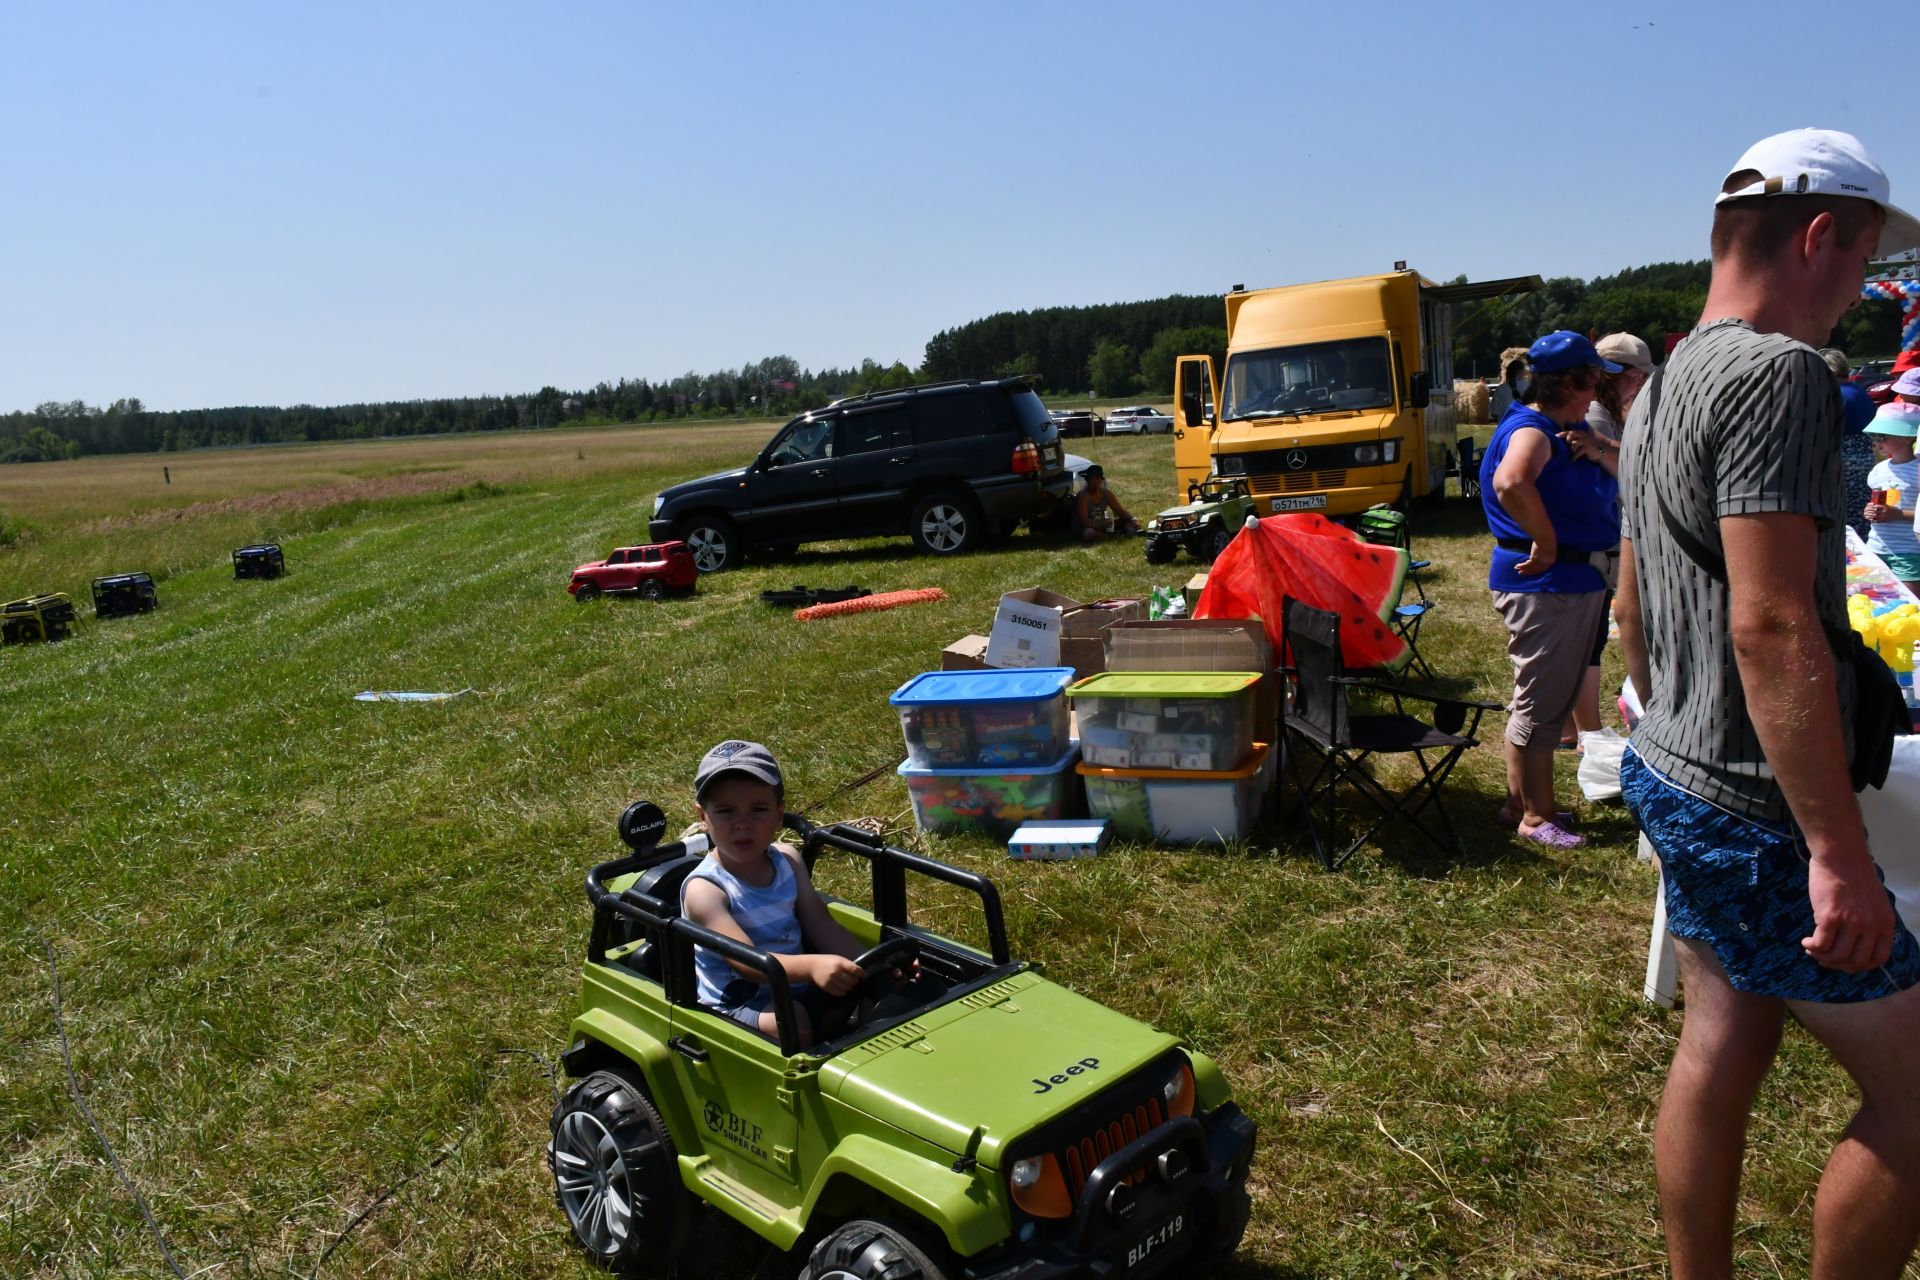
{"type": "Point", "coordinates": [277, 203]}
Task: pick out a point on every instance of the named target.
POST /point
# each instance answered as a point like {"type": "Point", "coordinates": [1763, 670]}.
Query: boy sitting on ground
{"type": "Point", "coordinates": [758, 892]}
{"type": "Point", "coordinates": [1097, 512]}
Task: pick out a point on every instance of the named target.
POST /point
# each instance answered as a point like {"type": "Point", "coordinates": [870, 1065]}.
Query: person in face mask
{"type": "Point", "coordinates": [1516, 382]}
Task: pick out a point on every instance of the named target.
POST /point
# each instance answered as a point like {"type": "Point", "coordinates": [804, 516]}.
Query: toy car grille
{"type": "Point", "coordinates": [1081, 1158]}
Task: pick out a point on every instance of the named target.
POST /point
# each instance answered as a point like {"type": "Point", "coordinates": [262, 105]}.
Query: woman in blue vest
{"type": "Point", "coordinates": [1553, 503]}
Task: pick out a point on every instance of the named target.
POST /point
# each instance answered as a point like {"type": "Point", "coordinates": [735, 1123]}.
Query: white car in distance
{"type": "Point", "coordinates": [1139, 419]}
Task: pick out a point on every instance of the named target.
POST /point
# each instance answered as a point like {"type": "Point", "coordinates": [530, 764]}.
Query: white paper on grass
{"type": "Point", "coordinates": [399, 695]}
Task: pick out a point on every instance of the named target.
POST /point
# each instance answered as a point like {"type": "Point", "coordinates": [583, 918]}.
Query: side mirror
{"type": "Point", "coordinates": [1421, 391]}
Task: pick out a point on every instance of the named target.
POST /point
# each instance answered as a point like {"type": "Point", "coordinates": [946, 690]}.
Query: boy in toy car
{"type": "Point", "coordinates": [757, 891]}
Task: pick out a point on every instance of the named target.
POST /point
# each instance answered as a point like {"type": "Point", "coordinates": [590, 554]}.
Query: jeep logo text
{"type": "Point", "coordinates": [1085, 1064]}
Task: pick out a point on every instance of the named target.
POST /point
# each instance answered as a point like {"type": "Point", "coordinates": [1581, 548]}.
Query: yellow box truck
{"type": "Point", "coordinates": [1336, 395]}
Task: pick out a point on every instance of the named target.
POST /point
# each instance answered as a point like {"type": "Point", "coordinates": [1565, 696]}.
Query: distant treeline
{"type": "Point", "coordinates": [1114, 350]}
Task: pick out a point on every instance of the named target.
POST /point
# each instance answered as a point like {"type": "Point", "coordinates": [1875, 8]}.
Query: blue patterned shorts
{"type": "Point", "coordinates": [1740, 886]}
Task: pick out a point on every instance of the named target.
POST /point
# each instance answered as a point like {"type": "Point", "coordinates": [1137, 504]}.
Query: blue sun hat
{"type": "Point", "coordinates": [1896, 419]}
{"type": "Point", "coordinates": [1564, 349]}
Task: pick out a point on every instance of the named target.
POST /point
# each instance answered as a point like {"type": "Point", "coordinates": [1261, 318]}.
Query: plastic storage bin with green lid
{"type": "Point", "coordinates": [1181, 807]}
{"type": "Point", "coordinates": [1192, 720]}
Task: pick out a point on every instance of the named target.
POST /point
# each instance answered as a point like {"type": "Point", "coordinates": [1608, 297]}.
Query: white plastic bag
{"type": "Point", "coordinates": [1602, 750]}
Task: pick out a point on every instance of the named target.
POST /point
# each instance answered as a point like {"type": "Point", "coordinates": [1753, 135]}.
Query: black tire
{"type": "Point", "coordinates": [586, 592]}
{"type": "Point", "coordinates": [1162, 550]}
{"type": "Point", "coordinates": [945, 524]}
{"type": "Point", "coordinates": [621, 1193]}
{"type": "Point", "coordinates": [652, 589]}
{"type": "Point", "coordinates": [1217, 539]}
{"type": "Point", "coordinates": [715, 543]}
{"type": "Point", "coordinates": [867, 1250]}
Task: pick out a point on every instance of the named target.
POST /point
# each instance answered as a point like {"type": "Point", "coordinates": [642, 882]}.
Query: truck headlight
{"type": "Point", "coordinates": [1230, 465]}
{"type": "Point", "coordinates": [1366, 455]}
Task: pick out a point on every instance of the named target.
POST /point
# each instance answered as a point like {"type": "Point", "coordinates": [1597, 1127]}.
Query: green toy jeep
{"type": "Point", "coordinates": [1215, 510]}
{"type": "Point", "coordinates": [982, 1122]}
{"type": "Point", "coordinates": [44, 617]}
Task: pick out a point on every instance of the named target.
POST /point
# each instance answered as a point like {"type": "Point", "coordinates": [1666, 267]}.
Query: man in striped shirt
{"type": "Point", "coordinates": [1731, 600]}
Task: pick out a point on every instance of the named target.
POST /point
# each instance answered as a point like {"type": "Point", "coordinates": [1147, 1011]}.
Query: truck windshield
{"type": "Point", "coordinates": [1320, 377]}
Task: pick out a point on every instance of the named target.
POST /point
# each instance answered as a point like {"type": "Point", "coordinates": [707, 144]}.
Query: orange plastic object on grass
{"type": "Point", "coordinates": [869, 604]}
{"type": "Point", "coordinates": [1311, 559]}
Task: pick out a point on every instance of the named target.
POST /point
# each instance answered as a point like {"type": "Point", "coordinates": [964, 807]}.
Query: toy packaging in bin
{"type": "Point", "coordinates": [984, 719]}
{"type": "Point", "coordinates": [1181, 806]}
{"type": "Point", "coordinates": [1191, 720]}
{"type": "Point", "coordinates": [995, 801]}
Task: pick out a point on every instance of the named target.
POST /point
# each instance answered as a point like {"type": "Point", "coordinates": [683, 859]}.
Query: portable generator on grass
{"type": "Point", "coordinates": [45, 617]}
{"type": "Point", "coordinates": [262, 560]}
{"type": "Point", "coordinates": [120, 594]}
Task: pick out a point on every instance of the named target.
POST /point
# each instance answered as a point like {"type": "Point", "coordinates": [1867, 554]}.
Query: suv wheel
{"type": "Point", "coordinates": [945, 525]}
{"type": "Point", "coordinates": [652, 589]}
{"type": "Point", "coordinates": [867, 1250]}
{"type": "Point", "coordinates": [714, 542]}
{"type": "Point", "coordinates": [615, 1177]}
{"type": "Point", "coordinates": [584, 592]}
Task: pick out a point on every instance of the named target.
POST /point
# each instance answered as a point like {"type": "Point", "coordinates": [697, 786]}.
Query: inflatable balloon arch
{"type": "Point", "coordinates": [1904, 294]}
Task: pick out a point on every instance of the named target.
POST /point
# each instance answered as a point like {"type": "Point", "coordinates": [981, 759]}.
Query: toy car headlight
{"type": "Point", "coordinates": [1177, 1092]}
{"type": "Point", "coordinates": [1039, 1188]}
{"type": "Point", "coordinates": [1230, 466]}
{"type": "Point", "coordinates": [1366, 454]}
{"type": "Point", "coordinates": [1025, 1172]}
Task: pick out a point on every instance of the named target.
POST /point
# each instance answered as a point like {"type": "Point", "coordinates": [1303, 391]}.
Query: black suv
{"type": "Point", "coordinates": [944, 464]}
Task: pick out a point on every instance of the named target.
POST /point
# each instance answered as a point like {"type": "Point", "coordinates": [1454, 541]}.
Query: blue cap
{"type": "Point", "coordinates": [1564, 349]}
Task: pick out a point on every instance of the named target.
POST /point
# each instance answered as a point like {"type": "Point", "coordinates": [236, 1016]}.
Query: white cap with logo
{"type": "Point", "coordinates": [1825, 162]}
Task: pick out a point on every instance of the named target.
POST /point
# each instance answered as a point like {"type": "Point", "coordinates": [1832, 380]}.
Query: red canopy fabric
{"type": "Point", "coordinates": [1318, 562]}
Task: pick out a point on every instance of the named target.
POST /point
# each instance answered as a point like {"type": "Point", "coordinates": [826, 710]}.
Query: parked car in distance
{"type": "Point", "coordinates": [649, 571]}
{"type": "Point", "coordinates": [1078, 422]}
{"type": "Point", "coordinates": [945, 464]}
{"type": "Point", "coordinates": [1140, 419]}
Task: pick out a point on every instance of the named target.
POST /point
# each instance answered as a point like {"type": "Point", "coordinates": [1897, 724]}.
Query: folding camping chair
{"type": "Point", "coordinates": [1385, 527]}
{"type": "Point", "coordinates": [1469, 469]}
{"type": "Point", "coordinates": [1314, 716]}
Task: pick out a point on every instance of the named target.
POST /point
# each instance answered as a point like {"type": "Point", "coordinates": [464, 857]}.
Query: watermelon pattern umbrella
{"type": "Point", "coordinates": [1314, 560]}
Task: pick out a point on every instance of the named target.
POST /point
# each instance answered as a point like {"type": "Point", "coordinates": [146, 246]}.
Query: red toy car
{"type": "Point", "coordinates": [650, 571]}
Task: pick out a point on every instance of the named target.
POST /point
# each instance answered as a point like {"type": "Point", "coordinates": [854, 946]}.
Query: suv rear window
{"type": "Point", "coordinates": [937, 419]}
{"type": "Point", "coordinates": [1032, 416]}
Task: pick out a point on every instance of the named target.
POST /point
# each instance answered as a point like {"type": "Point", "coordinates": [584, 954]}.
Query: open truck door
{"type": "Point", "coordinates": [1196, 397]}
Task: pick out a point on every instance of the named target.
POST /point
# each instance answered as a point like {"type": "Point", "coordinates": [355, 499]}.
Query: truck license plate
{"type": "Point", "coordinates": [1305, 502]}
{"type": "Point", "coordinates": [1157, 1242]}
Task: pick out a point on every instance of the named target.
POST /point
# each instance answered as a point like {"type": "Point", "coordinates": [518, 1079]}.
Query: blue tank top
{"type": "Point", "coordinates": [1582, 501]}
{"type": "Point", "coordinates": [765, 913]}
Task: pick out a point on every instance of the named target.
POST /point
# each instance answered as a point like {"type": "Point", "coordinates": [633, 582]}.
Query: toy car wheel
{"type": "Point", "coordinates": [714, 542]}
{"type": "Point", "coordinates": [868, 1250]}
{"type": "Point", "coordinates": [614, 1175]}
{"type": "Point", "coordinates": [587, 591]}
{"type": "Point", "coordinates": [945, 524]}
{"type": "Point", "coordinates": [652, 589]}
{"type": "Point", "coordinates": [1161, 550]}
{"type": "Point", "coordinates": [1217, 540]}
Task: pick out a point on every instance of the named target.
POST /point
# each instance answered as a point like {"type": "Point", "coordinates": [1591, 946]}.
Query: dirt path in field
{"type": "Point", "coordinates": [311, 498]}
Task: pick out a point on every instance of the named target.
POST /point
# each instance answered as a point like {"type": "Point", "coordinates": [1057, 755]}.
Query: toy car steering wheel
{"type": "Point", "coordinates": [879, 981]}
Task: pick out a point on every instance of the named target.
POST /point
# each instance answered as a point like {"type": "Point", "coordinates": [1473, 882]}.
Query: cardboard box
{"type": "Point", "coordinates": [1075, 838]}
{"type": "Point", "coordinates": [1035, 627]}
{"type": "Point", "coordinates": [968, 653]}
{"type": "Point", "coordinates": [1202, 644]}
{"type": "Point", "coordinates": [1195, 585]}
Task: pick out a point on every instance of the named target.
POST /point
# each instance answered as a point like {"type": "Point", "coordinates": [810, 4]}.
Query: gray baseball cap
{"type": "Point", "coordinates": [734, 756]}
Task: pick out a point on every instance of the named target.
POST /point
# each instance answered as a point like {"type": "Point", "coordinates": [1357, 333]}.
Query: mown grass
{"type": "Point", "coordinates": [304, 939]}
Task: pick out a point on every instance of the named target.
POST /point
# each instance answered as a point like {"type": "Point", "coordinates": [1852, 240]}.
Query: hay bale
{"type": "Point", "coordinates": [1470, 401]}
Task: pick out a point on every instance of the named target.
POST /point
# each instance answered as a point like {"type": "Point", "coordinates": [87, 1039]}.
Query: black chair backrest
{"type": "Point", "coordinates": [1313, 643]}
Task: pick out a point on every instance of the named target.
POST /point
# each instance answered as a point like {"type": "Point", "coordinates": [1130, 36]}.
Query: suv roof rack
{"type": "Point", "coordinates": [1029, 380]}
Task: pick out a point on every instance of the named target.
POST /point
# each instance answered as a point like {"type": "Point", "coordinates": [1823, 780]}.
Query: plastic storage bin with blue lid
{"type": "Point", "coordinates": [984, 719]}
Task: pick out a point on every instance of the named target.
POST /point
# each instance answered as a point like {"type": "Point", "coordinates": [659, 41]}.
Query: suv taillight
{"type": "Point", "coordinates": [1026, 458]}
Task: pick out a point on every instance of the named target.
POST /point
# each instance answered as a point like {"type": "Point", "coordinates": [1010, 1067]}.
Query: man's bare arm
{"type": "Point", "coordinates": [1787, 672]}
{"type": "Point", "coordinates": [1633, 630]}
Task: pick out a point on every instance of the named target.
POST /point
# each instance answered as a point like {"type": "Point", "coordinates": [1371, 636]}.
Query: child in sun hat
{"type": "Point", "coordinates": [1895, 478]}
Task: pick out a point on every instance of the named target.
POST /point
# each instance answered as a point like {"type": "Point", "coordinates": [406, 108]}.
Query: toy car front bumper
{"type": "Point", "coordinates": [1158, 1206]}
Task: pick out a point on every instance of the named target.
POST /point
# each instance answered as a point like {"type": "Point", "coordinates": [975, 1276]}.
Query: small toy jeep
{"type": "Point", "coordinates": [45, 617]}
{"type": "Point", "coordinates": [649, 572]}
{"type": "Point", "coordinates": [982, 1122]}
{"type": "Point", "coordinates": [120, 594]}
{"type": "Point", "coordinates": [261, 560]}
{"type": "Point", "coordinates": [1215, 510]}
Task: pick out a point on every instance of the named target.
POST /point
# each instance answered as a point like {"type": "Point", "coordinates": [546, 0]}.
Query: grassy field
{"type": "Point", "coordinates": [307, 944]}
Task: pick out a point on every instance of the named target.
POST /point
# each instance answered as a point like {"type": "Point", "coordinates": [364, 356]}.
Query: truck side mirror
{"type": "Point", "coordinates": [1422, 389]}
